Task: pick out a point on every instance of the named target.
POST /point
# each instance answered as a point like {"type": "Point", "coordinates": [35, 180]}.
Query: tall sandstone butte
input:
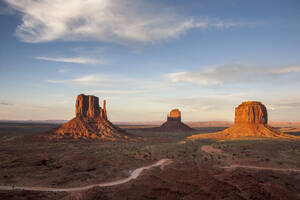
{"type": "Point", "coordinates": [174, 123]}
{"type": "Point", "coordinates": [87, 106]}
{"type": "Point", "coordinates": [90, 121]}
{"type": "Point", "coordinates": [251, 120]}
{"type": "Point", "coordinates": [251, 112]}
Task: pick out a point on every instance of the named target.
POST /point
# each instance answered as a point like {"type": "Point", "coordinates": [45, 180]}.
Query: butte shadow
{"type": "Point", "coordinates": [251, 121]}
{"type": "Point", "coordinates": [91, 122]}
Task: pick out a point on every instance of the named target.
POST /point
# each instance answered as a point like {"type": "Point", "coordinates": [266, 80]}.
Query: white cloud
{"type": "Point", "coordinates": [76, 60]}
{"type": "Point", "coordinates": [237, 72]}
{"type": "Point", "coordinates": [192, 77]}
{"type": "Point", "coordinates": [113, 92]}
{"type": "Point", "coordinates": [117, 21]}
{"type": "Point", "coordinates": [116, 85]}
{"type": "Point", "coordinates": [96, 80]}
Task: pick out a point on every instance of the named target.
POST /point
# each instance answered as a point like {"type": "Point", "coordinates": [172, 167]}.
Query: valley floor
{"type": "Point", "coordinates": [201, 169]}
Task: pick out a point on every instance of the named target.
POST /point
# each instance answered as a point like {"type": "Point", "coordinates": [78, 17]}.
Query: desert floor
{"type": "Point", "coordinates": [201, 169]}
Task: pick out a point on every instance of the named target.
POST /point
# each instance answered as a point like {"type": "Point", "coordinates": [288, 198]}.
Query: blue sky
{"type": "Point", "coordinates": [146, 57]}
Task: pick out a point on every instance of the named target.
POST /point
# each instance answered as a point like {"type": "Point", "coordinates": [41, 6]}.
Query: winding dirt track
{"type": "Point", "coordinates": [210, 149]}
{"type": "Point", "coordinates": [132, 176]}
{"type": "Point", "coordinates": [261, 168]}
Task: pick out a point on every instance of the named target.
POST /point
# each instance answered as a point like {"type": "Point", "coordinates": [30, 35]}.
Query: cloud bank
{"type": "Point", "coordinates": [234, 73]}
{"type": "Point", "coordinates": [115, 84]}
{"type": "Point", "coordinates": [117, 21]}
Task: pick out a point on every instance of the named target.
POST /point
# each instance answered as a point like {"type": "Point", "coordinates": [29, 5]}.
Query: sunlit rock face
{"type": "Point", "coordinates": [251, 112]}
{"type": "Point", "coordinates": [90, 121]}
{"type": "Point", "coordinates": [251, 121]}
{"type": "Point", "coordinates": [87, 106]}
{"type": "Point", "coordinates": [174, 123]}
{"type": "Point", "coordinates": [175, 115]}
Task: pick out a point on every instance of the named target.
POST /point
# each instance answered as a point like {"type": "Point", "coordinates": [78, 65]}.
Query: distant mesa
{"type": "Point", "coordinates": [251, 121]}
{"type": "Point", "coordinates": [175, 114]}
{"type": "Point", "coordinates": [90, 122]}
{"type": "Point", "coordinates": [174, 123]}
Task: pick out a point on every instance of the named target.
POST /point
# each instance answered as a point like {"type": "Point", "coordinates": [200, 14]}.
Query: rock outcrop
{"type": "Point", "coordinates": [251, 112]}
{"type": "Point", "coordinates": [174, 123]}
{"type": "Point", "coordinates": [175, 114]}
{"type": "Point", "coordinates": [87, 106]}
{"type": "Point", "coordinates": [251, 121]}
{"type": "Point", "coordinates": [90, 122]}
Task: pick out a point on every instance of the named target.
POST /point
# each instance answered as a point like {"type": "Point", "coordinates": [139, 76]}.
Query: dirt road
{"type": "Point", "coordinates": [211, 149]}
{"type": "Point", "coordinates": [261, 168]}
{"type": "Point", "coordinates": [132, 176]}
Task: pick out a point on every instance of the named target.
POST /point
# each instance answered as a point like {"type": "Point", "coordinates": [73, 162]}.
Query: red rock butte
{"type": "Point", "coordinates": [90, 121]}
{"type": "Point", "coordinates": [251, 121]}
{"type": "Point", "coordinates": [174, 123]}
{"type": "Point", "coordinates": [175, 114]}
{"type": "Point", "coordinates": [251, 112]}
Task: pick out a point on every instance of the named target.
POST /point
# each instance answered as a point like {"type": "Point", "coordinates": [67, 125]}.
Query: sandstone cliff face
{"type": "Point", "coordinates": [81, 106]}
{"type": "Point", "coordinates": [91, 122]}
{"type": "Point", "coordinates": [175, 115]}
{"type": "Point", "coordinates": [251, 112]}
{"type": "Point", "coordinates": [251, 120]}
{"type": "Point", "coordinates": [88, 107]}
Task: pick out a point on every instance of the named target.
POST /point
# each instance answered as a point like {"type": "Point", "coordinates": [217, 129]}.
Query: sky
{"type": "Point", "coordinates": [146, 57]}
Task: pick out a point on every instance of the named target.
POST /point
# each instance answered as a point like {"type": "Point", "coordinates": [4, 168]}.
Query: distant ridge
{"type": "Point", "coordinates": [158, 123]}
{"type": "Point", "coordinates": [34, 121]}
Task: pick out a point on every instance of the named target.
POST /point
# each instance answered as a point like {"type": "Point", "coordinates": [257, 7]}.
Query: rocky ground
{"type": "Point", "coordinates": [195, 173]}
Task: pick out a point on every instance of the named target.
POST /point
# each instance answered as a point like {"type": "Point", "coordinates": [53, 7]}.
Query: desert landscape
{"type": "Point", "coordinates": [149, 100]}
{"type": "Point", "coordinates": [77, 161]}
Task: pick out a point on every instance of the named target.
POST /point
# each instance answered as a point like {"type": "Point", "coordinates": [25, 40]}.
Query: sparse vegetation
{"type": "Point", "coordinates": [66, 163]}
